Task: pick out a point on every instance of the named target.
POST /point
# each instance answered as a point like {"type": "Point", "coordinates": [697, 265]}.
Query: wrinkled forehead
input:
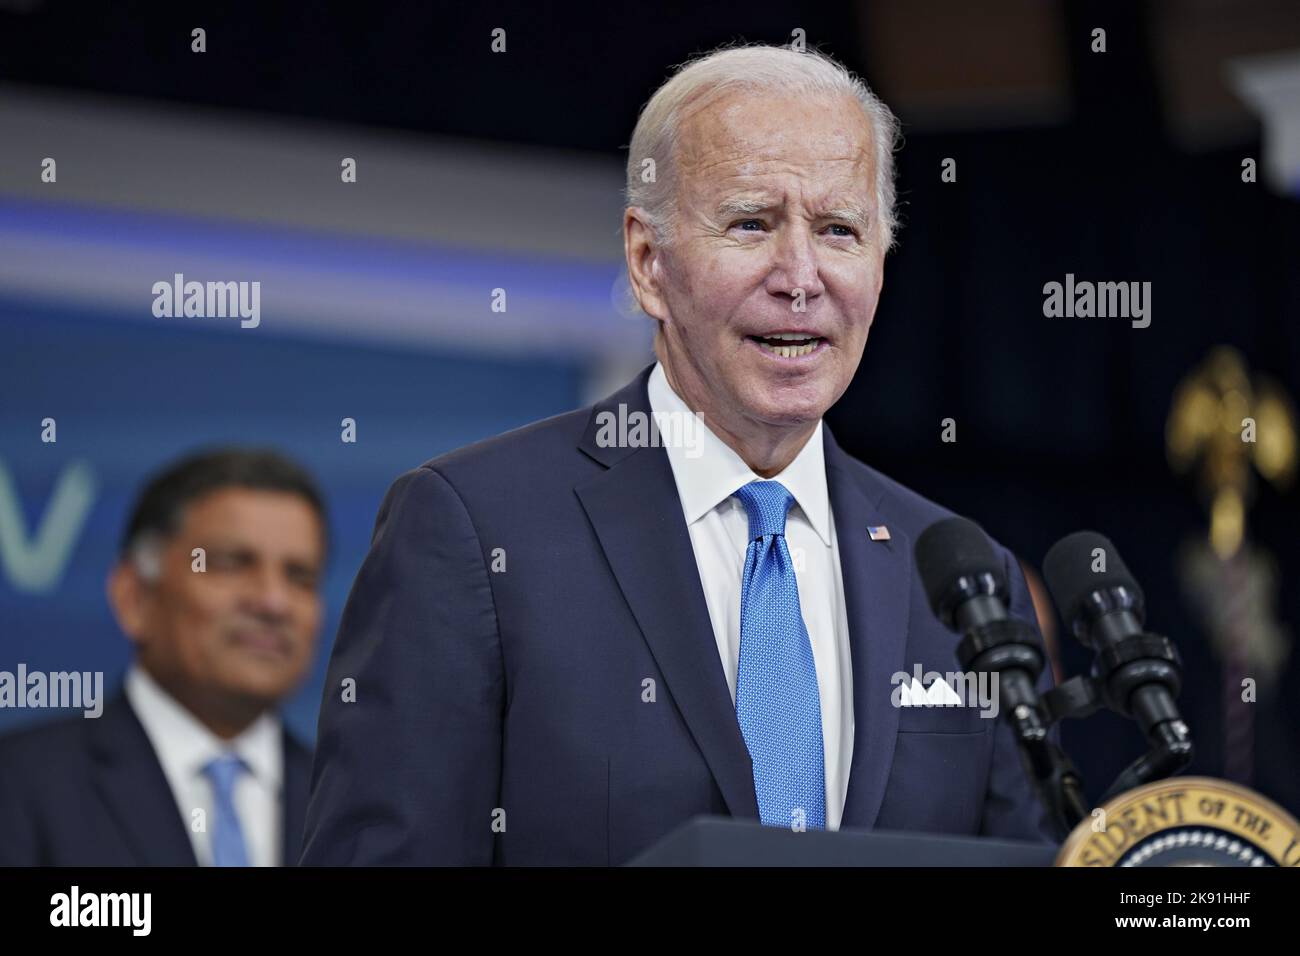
{"type": "Point", "coordinates": [770, 141]}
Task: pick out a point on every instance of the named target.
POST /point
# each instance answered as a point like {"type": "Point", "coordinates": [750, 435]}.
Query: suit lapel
{"type": "Point", "coordinates": [293, 797]}
{"type": "Point", "coordinates": [634, 508]}
{"type": "Point", "coordinates": [135, 790]}
{"type": "Point", "coordinates": [877, 595]}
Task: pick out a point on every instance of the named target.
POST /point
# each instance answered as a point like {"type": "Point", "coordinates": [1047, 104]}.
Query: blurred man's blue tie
{"type": "Point", "coordinates": [777, 701]}
{"type": "Point", "coordinates": [228, 847]}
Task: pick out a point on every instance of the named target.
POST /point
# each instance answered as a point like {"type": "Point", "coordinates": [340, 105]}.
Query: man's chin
{"type": "Point", "coordinates": [788, 406]}
{"type": "Point", "coordinates": [262, 690]}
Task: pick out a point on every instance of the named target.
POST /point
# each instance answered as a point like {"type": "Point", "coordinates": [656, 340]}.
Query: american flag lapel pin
{"type": "Point", "coordinates": [878, 532]}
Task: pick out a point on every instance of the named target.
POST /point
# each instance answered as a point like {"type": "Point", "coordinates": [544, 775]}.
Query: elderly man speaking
{"type": "Point", "coordinates": [568, 640]}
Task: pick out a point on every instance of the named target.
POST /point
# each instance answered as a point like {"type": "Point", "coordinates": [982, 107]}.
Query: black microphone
{"type": "Point", "coordinates": [966, 584]}
{"type": "Point", "coordinates": [967, 588]}
{"type": "Point", "coordinates": [963, 578]}
{"type": "Point", "coordinates": [1098, 599]}
{"type": "Point", "coordinates": [1140, 674]}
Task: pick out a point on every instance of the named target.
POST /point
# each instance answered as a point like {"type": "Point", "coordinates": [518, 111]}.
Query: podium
{"type": "Point", "coordinates": [725, 841]}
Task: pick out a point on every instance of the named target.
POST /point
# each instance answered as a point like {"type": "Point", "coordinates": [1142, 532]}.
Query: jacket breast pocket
{"type": "Point", "coordinates": [942, 720]}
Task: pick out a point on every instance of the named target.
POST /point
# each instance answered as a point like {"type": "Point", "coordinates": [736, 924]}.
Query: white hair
{"type": "Point", "coordinates": [754, 68]}
{"type": "Point", "coordinates": [145, 555]}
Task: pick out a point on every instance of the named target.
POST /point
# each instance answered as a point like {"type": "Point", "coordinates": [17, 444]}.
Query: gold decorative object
{"type": "Point", "coordinates": [1220, 424]}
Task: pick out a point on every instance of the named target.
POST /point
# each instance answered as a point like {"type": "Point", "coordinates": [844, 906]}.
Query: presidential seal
{"type": "Point", "coordinates": [1185, 821]}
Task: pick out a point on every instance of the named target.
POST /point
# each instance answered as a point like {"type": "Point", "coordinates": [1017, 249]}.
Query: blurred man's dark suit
{"type": "Point", "coordinates": [91, 792]}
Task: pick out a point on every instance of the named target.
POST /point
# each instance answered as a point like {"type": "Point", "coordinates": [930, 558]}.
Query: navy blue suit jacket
{"type": "Point", "coordinates": [517, 595]}
{"type": "Point", "coordinates": [91, 792]}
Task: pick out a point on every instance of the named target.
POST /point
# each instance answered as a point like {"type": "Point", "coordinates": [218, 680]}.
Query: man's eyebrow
{"type": "Point", "coordinates": [741, 205]}
{"type": "Point", "coordinates": [849, 214]}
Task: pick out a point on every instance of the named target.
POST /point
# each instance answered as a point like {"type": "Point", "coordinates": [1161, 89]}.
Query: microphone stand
{"type": "Point", "coordinates": [1006, 647]}
{"type": "Point", "coordinates": [1137, 676]}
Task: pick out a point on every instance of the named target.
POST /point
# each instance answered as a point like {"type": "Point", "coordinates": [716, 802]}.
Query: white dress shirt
{"type": "Point", "coordinates": [184, 746]}
{"type": "Point", "coordinates": [707, 477]}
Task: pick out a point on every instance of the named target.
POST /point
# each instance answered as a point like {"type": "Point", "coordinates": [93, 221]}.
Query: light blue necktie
{"type": "Point", "coordinates": [227, 835]}
{"type": "Point", "coordinates": [777, 702]}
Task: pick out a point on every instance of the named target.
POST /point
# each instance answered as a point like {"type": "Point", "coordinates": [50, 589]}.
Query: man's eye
{"type": "Point", "coordinates": [303, 577]}
{"type": "Point", "coordinates": [742, 223]}
{"type": "Point", "coordinates": [848, 230]}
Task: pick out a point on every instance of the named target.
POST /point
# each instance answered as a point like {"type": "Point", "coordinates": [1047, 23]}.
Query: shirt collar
{"type": "Point", "coordinates": [712, 472]}
{"type": "Point", "coordinates": [186, 744]}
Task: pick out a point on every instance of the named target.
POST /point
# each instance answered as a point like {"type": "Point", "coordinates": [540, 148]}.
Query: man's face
{"type": "Point", "coordinates": [244, 629]}
{"type": "Point", "coordinates": [776, 209]}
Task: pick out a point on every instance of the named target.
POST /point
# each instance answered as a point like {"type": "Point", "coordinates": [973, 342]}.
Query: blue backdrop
{"type": "Point", "coordinates": [130, 396]}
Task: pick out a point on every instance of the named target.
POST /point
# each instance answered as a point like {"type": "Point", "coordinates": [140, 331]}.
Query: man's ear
{"type": "Point", "coordinates": [128, 595]}
{"type": "Point", "coordinates": [644, 263]}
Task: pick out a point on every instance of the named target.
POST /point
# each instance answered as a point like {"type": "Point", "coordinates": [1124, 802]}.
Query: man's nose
{"type": "Point", "coordinates": [795, 267]}
{"type": "Point", "coordinates": [270, 594]}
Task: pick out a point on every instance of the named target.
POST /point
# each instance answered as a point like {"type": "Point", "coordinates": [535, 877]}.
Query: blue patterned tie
{"type": "Point", "coordinates": [777, 702]}
{"type": "Point", "coordinates": [227, 835]}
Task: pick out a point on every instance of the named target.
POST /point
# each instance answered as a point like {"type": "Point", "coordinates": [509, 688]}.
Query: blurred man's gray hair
{"type": "Point", "coordinates": [755, 68]}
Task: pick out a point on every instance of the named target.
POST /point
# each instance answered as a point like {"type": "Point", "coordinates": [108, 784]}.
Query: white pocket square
{"type": "Point", "coordinates": [936, 695]}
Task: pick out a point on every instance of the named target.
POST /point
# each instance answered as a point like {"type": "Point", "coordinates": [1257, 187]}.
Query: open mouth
{"type": "Point", "coordinates": [788, 344]}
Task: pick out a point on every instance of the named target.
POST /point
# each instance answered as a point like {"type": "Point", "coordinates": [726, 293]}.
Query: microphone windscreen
{"type": "Point", "coordinates": [954, 548]}
{"type": "Point", "coordinates": [1081, 563]}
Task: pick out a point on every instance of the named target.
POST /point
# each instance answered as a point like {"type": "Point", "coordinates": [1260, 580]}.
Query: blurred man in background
{"type": "Point", "coordinates": [217, 587]}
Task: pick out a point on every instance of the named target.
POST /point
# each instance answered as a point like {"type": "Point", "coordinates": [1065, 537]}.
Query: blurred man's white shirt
{"type": "Point", "coordinates": [184, 746]}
